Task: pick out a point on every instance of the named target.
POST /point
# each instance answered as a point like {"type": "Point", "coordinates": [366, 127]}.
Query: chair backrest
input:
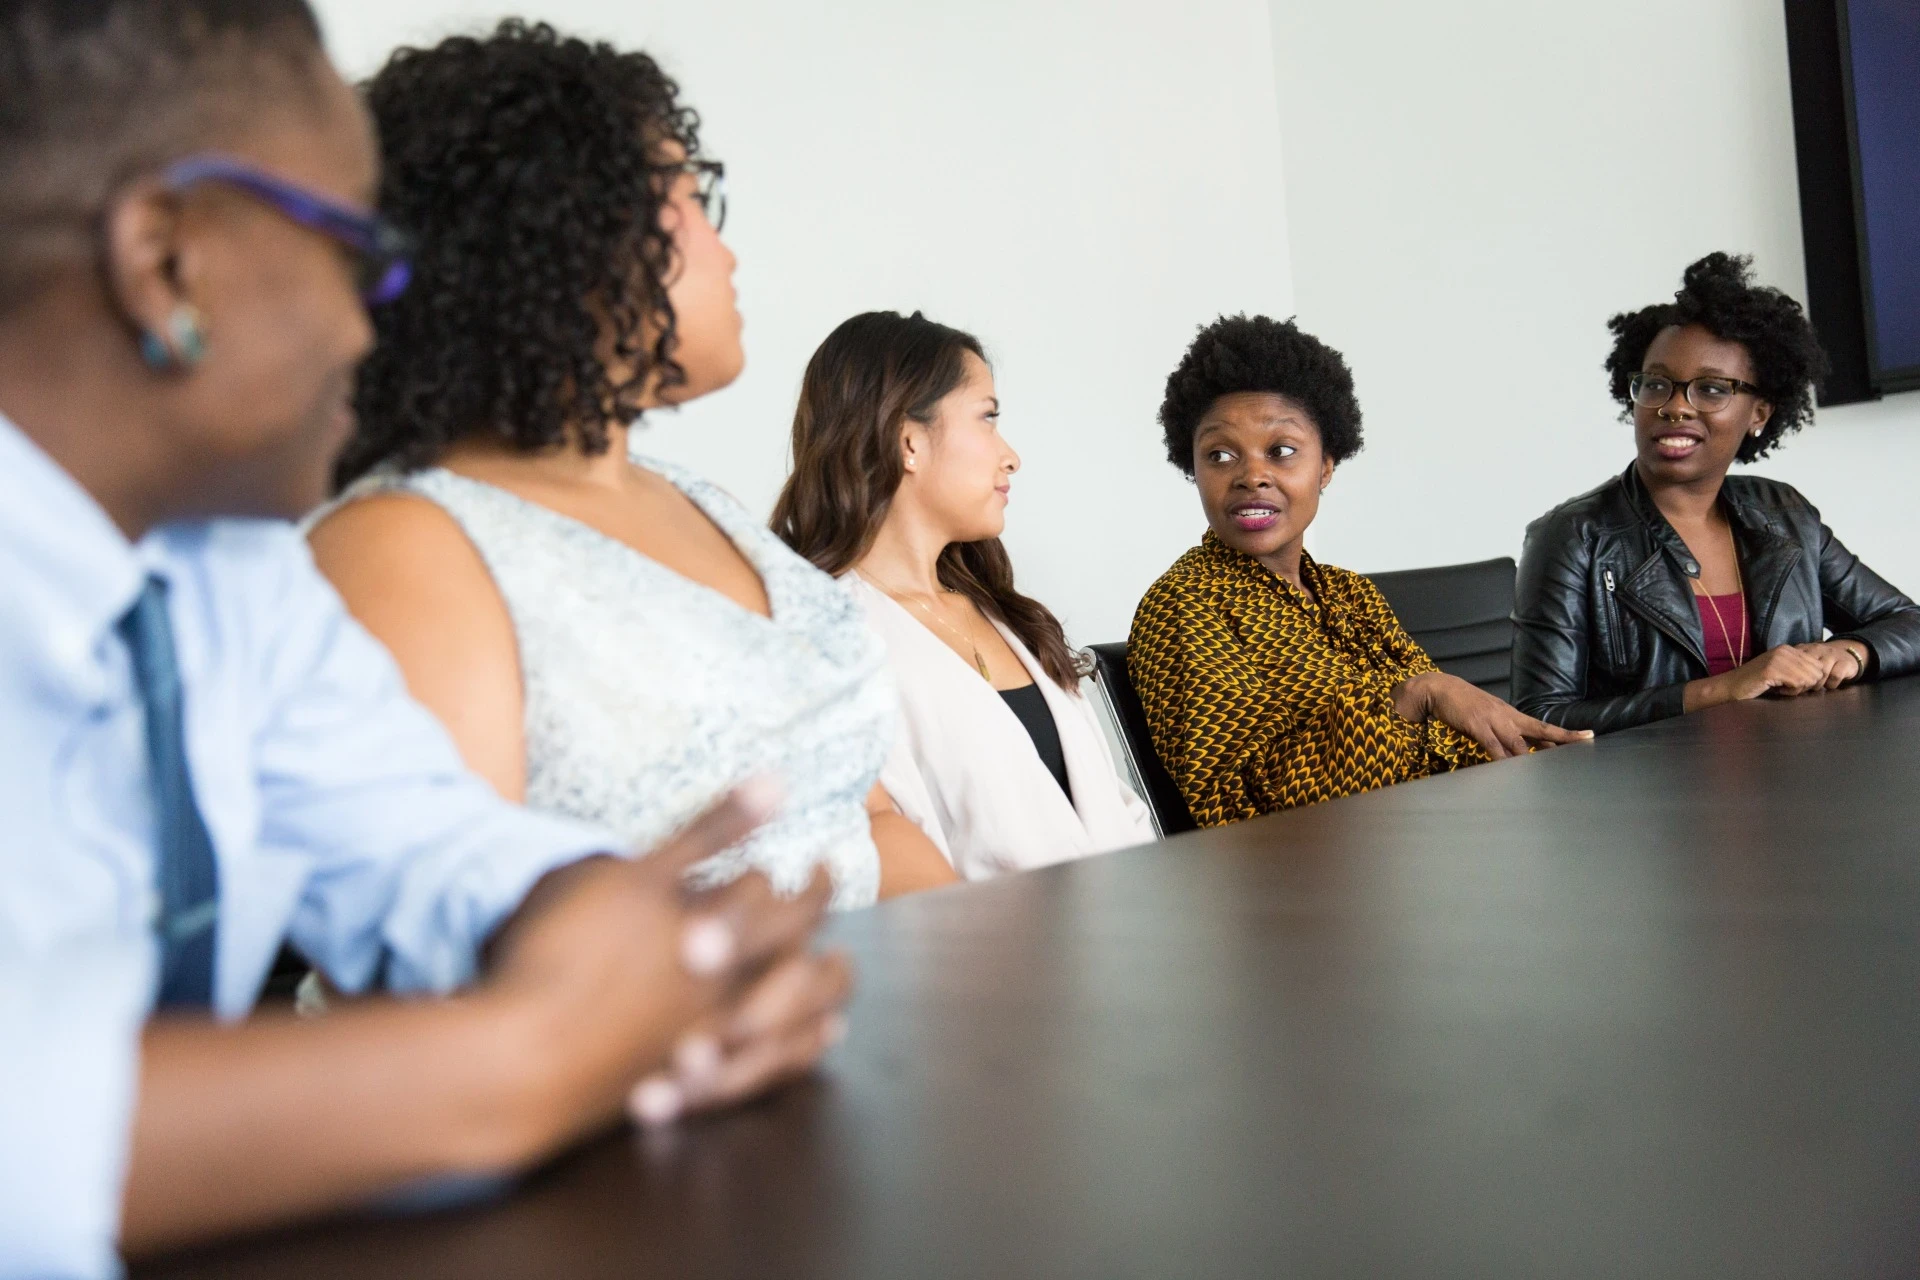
{"type": "Point", "coordinates": [1462, 615]}
{"type": "Point", "coordinates": [1111, 678]}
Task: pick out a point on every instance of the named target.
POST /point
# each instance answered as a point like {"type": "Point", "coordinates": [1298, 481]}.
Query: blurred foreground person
{"type": "Point", "coordinates": [203, 754]}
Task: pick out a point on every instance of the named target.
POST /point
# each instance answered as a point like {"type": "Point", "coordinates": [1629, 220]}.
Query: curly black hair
{"type": "Point", "coordinates": [1254, 353]}
{"type": "Point", "coordinates": [1718, 294]}
{"type": "Point", "coordinates": [531, 168]}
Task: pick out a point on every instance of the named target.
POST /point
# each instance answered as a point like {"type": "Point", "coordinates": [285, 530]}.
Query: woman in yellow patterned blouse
{"type": "Point", "coordinates": [1271, 680]}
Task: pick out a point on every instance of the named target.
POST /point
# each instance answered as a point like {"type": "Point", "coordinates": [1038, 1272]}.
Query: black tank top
{"type": "Point", "coordinates": [1030, 705]}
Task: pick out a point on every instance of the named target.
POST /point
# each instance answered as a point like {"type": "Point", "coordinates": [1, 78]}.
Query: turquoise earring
{"type": "Point", "coordinates": [183, 347]}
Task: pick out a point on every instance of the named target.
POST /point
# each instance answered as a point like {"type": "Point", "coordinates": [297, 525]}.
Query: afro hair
{"type": "Point", "coordinates": [1718, 294]}
{"type": "Point", "coordinates": [1257, 354]}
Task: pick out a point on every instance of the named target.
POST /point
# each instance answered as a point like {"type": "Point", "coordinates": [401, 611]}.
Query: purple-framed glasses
{"type": "Point", "coordinates": [381, 248]}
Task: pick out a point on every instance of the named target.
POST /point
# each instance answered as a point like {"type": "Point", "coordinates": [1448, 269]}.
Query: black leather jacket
{"type": "Point", "coordinates": [1606, 631]}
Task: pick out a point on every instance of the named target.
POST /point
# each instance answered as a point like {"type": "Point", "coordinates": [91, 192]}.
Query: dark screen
{"type": "Point", "coordinates": [1884, 47]}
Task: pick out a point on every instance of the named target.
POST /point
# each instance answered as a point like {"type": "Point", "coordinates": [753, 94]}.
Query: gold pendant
{"type": "Point", "coordinates": [980, 664]}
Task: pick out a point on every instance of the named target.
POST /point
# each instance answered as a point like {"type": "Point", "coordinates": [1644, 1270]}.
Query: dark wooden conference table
{"type": "Point", "coordinates": [1649, 1007]}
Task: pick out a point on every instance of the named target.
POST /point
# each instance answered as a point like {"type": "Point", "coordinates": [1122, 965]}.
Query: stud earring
{"type": "Point", "coordinates": [153, 351]}
{"type": "Point", "coordinates": [183, 347]}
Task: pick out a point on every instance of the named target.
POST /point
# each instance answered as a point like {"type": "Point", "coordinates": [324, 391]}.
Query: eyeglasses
{"type": "Point", "coordinates": [710, 188]}
{"type": "Point", "coordinates": [1653, 390]}
{"type": "Point", "coordinates": [381, 250]}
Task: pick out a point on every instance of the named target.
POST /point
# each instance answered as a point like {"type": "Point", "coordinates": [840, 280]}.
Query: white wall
{"type": "Point", "coordinates": [1467, 188]}
{"type": "Point", "coordinates": [1078, 182]}
{"type": "Point", "coordinates": [1477, 186]}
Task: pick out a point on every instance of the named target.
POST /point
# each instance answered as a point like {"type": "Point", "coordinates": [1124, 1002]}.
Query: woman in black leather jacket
{"type": "Point", "coordinates": [1673, 586]}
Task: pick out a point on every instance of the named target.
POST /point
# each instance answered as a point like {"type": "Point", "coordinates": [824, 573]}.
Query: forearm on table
{"type": "Point", "coordinates": [1707, 691]}
{"type": "Point", "coordinates": [243, 1126]}
{"type": "Point", "coordinates": [1549, 694]}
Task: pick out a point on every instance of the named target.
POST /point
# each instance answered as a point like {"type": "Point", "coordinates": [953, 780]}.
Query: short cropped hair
{"type": "Point", "coordinates": [1718, 294]}
{"type": "Point", "coordinates": [95, 92]}
{"type": "Point", "coordinates": [1253, 353]}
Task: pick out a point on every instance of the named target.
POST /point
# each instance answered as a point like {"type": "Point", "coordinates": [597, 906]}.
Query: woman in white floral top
{"type": "Point", "coordinates": [602, 636]}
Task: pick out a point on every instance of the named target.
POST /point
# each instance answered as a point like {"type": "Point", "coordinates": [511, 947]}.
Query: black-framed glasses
{"type": "Point", "coordinates": [709, 189]}
{"type": "Point", "coordinates": [1653, 390]}
{"type": "Point", "coordinates": [381, 250]}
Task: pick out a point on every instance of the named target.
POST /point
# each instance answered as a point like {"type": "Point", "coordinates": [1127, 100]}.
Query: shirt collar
{"type": "Point", "coordinates": [71, 571]}
{"type": "Point", "coordinates": [1214, 546]}
{"type": "Point", "coordinates": [1251, 573]}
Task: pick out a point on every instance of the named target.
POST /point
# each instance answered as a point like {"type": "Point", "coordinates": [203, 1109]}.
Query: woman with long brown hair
{"type": "Point", "coordinates": [900, 486]}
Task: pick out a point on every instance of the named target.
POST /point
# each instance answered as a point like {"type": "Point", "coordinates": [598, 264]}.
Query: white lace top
{"type": "Point", "coordinates": [648, 694]}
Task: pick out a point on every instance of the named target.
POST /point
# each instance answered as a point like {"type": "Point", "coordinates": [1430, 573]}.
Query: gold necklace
{"type": "Point", "coordinates": [979, 663]}
{"type": "Point", "coordinates": [1740, 660]}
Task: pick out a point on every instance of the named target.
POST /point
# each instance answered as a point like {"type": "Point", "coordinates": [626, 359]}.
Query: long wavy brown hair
{"type": "Point", "coordinates": [872, 374]}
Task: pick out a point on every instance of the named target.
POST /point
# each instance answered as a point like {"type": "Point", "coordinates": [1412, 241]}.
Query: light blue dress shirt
{"type": "Point", "coordinates": [340, 813]}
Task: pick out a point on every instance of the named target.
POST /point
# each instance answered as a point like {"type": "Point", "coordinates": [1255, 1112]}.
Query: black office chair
{"type": "Point", "coordinates": [1462, 615]}
{"type": "Point", "coordinates": [1111, 678]}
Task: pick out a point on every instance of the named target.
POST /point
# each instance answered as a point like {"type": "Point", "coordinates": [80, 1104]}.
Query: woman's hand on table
{"type": "Point", "coordinates": [1786, 672]}
{"type": "Point", "coordinates": [1500, 730]}
{"type": "Point", "coordinates": [1844, 661]}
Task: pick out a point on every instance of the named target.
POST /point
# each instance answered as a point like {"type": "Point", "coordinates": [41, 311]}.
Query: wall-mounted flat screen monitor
{"type": "Point", "coordinates": [1880, 57]}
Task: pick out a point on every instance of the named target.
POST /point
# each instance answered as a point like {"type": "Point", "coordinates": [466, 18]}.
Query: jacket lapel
{"type": "Point", "coordinates": [1767, 560]}
{"type": "Point", "coordinates": [1649, 592]}
{"type": "Point", "coordinates": [1657, 589]}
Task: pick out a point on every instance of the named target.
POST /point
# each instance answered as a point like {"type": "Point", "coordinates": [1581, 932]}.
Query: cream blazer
{"type": "Point", "coordinates": [964, 769]}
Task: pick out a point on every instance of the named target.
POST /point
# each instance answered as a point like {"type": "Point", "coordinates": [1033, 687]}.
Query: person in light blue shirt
{"type": "Point", "coordinates": [201, 754]}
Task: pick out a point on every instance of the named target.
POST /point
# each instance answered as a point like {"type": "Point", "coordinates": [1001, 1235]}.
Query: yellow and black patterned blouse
{"type": "Point", "coordinates": [1260, 699]}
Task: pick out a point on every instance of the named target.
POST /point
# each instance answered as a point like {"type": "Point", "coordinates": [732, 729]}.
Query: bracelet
{"type": "Point", "coordinates": [1859, 663]}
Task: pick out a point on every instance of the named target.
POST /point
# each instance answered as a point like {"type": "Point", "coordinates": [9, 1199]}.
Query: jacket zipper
{"type": "Point", "coordinates": [1614, 644]}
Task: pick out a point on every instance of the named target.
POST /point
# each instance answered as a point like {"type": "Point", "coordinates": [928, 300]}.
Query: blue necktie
{"type": "Point", "coordinates": [189, 881]}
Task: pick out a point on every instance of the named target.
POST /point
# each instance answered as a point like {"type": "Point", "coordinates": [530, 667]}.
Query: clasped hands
{"type": "Point", "coordinates": [1787, 671]}
{"type": "Point", "coordinates": [635, 992]}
